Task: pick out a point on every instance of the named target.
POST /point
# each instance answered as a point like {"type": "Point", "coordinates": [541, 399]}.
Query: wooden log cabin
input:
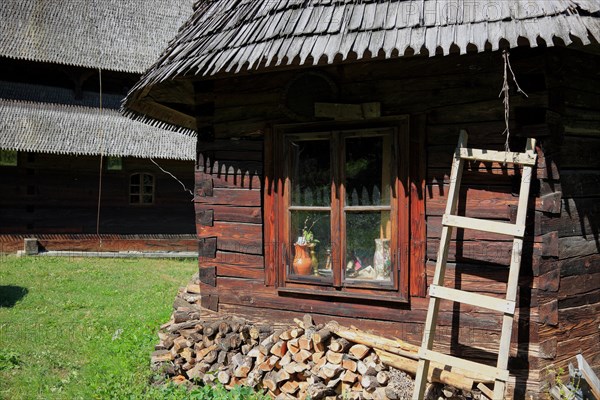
{"type": "Point", "coordinates": [328, 128]}
{"type": "Point", "coordinates": [61, 83]}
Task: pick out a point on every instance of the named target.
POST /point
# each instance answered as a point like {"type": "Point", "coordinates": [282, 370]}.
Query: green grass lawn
{"type": "Point", "coordinates": [83, 328]}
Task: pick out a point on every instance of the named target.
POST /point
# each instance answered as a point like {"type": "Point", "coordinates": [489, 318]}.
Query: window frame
{"type": "Point", "coordinates": [277, 229]}
{"type": "Point", "coordinates": [141, 194]}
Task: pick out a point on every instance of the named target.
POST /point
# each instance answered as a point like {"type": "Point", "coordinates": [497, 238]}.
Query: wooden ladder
{"type": "Point", "coordinates": [438, 292]}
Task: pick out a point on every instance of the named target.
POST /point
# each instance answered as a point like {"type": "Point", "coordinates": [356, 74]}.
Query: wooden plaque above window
{"type": "Point", "coordinates": [340, 221]}
{"type": "Point", "coordinates": [306, 89]}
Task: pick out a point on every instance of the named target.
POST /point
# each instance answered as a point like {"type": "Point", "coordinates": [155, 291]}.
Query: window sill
{"type": "Point", "coordinates": [341, 295]}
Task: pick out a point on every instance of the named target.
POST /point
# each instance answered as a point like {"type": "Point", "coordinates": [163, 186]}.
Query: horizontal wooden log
{"type": "Point", "coordinates": [233, 197]}
{"type": "Point", "coordinates": [237, 237]}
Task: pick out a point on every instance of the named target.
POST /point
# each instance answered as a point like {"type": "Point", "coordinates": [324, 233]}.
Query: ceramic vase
{"type": "Point", "coordinates": [302, 262]}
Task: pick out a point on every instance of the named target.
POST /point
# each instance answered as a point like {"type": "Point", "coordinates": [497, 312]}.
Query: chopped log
{"type": "Point", "coordinates": [184, 325]}
{"type": "Point", "coordinates": [349, 377]}
{"type": "Point", "coordinates": [207, 341]}
{"type": "Point", "coordinates": [320, 346]}
{"type": "Point", "coordinates": [211, 330]}
{"type": "Point", "coordinates": [268, 364]}
{"type": "Point", "coordinates": [434, 375]}
{"type": "Point", "coordinates": [383, 377]}
{"type": "Point", "coordinates": [349, 364]}
{"type": "Point", "coordinates": [285, 360]}
{"type": "Point", "coordinates": [196, 373]}
{"type": "Point", "coordinates": [305, 343]}
{"type": "Point", "coordinates": [224, 377]}
{"type": "Point", "coordinates": [181, 343]}
{"type": "Point", "coordinates": [211, 356]}
{"type": "Point", "coordinates": [269, 381]}
{"type": "Point", "coordinates": [198, 346]}
{"type": "Point", "coordinates": [339, 345]}
{"type": "Point", "coordinates": [242, 370]}
{"type": "Point", "coordinates": [359, 351]}
{"type": "Point", "coordinates": [290, 368]}
{"type": "Point", "coordinates": [222, 357]}
{"type": "Point", "coordinates": [380, 394]}
{"type": "Point", "coordinates": [333, 357]}
{"type": "Point", "coordinates": [209, 378]}
{"type": "Point", "coordinates": [308, 321]}
{"type": "Point", "coordinates": [321, 336]}
{"type": "Point", "coordinates": [329, 371]}
{"type": "Point", "coordinates": [254, 378]}
{"type": "Point", "coordinates": [279, 349]}
{"type": "Point", "coordinates": [395, 346]}
{"type": "Point", "coordinates": [224, 328]}
{"type": "Point", "coordinates": [317, 391]}
{"type": "Point", "coordinates": [317, 356]}
{"type": "Point", "coordinates": [200, 354]}
{"type": "Point", "coordinates": [366, 368]}
{"type": "Point", "coordinates": [246, 348]}
{"type": "Point", "coordinates": [369, 382]}
{"type": "Point", "coordinates": [333, 383]}
{"type": "Point", "coordinates": [293, 346]}
{"type": "Point", "coordinates": [296, 332]}
{"type": "Point", "coordinates": [286, 335]}
{"type": "Point", "coordinates": [299, 322]}
{"type": "Point", "coordinates": [160, 356]}
{"type": "Point", "coordinates": [282, 376]}
{"type": "Point", "coordinates": [290, 387]}
{"type": "Point", "coordinates": [258, 330]}
{"type": "Point", "coordinates": [187, 354]}
{"type": "Point", "coordinates": [302, 356]}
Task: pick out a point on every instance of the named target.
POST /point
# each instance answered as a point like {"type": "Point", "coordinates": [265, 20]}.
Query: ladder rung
{"type": "Point", "coordinates": [492, 372]}
{"type": "Point", "coordinates": [498, 156]}
{"type": "Point", "coordinates": [474, 299]}
{"type": "Point", "coordinates": [486, 225]}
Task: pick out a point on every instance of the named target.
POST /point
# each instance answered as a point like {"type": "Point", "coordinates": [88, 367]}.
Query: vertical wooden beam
{"type": "Point", "coordinates": [269, 211]}
{"type": "Point", "coordinates": [418, 231]}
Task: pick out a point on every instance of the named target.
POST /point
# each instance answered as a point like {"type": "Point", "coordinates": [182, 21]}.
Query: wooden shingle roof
{"type": "Point", "coordinates": [64, 129]}
{"type": "Point", "coordinates": [227, 36]}
{"type": "Point", "coordinates": [118, 35]}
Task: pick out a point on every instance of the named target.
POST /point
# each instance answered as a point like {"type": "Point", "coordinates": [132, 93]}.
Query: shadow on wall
{"type": "Point", "coordinates": [10, 295]}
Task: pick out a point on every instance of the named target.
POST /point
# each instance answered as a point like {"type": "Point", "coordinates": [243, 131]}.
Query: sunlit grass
{"type": "Point", "coordinates": [81, 328]}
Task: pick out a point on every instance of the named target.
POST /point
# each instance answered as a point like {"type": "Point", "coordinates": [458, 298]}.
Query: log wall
{"type": "Point", "coordinates": [571, 305]}
{"type": "Point", "coordinates": [441, 96]}
{"type": "Point", "coordinates": [54, 197]}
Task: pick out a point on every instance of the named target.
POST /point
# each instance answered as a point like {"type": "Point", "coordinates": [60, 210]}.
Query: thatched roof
{"type": "Point", "coordinates": [64, 129]}
{"type": "Point", "coordinates": [119, 35]}
{"type": "Point", "coordinates": [226, 36]}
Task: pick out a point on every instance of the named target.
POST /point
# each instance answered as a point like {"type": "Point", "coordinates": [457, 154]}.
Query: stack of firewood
{"type": "Point", "coordinates": [300, 361]}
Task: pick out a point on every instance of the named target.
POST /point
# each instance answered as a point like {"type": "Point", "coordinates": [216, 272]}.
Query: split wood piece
{"type": "Point", "coordinates": [334, 358]}
{"type": "Point", "coordinates": [434, 375]}
{"type": "Point", "coordinates": [296, 332]}
{"type": "Point", "coordinates": [282, 376]}
{"type": "Point", "coordinates": [339, 345]}
{"type": "Point", "coordinates": [369, 382]}
{"type": "Point", "coordinates": [349, 377]}
{"type": "Point", "coordinates": [257, 331]}
{"type": "Point", "coordinates": [268, 364]}
{"type": "Point", "coordinates": [321, 336]}
{"type": "Point", "coordinates": [329, 371]}
{"type": "Point", "coordinates": [290, 387]}
{"type": "Point", "coordinates": [270, 382]}
{"type": "Point", "coordinates": [305, 343]}
{"type": "Point", "coordinates": [293, 346]}
{"type": "Point", "coordinates": [224, 377]}
{"type": "Point", "coordinates": [359, 351]}
{"type": "Point", "coordinates": [383, 377]}
{"type": "Point", "coordinates": [285, 360]}
{"type": "Point", "coordinates": [302, 356]}
{"type": "Point", "coordinates": [395, 346]}
{"type": "Point", "coordinates": [349, 364]}
{"type": "Point", "coordinates": [200, 354]}
{"type": "Point", "coordinates": [279, 348]}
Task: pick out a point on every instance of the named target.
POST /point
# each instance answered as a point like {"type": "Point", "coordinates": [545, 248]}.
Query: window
{"type": "Point", "coordinates": [342, 211]}
{"type": "Point", "coordinates": [8, 158]}
{"type": "Point", "coordinates": [141, 189]}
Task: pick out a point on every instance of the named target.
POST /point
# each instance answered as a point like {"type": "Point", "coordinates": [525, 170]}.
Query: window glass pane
{"type": "Point", "coordinates": [148, 189]}
{"type": "Point", "coordinates": [135, 179]}
{"type": "Point", "coordinates": [147, 199]}
{"type": "Point", "coordinates": [148, 179]}
{"type": "Point", "coordinates": [134, 199]}
{"type": "Point", "coordinates": [311, 243]}
{"type": "Point", "coordinates": [368, 253]}
{"type": "Point", "coordinates": [135, 189]}
{"type": "Point", "coordinates": [311, 173]}
{"type": "Point", "coordinates": [367, 170]}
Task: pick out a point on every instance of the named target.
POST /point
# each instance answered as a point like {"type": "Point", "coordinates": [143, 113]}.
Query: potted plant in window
{"type": "Point", "coordinates": [305, 259]}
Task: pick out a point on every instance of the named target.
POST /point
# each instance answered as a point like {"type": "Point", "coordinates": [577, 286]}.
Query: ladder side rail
{"type": "Point", "coordinates": [513, 275]}
{"type": "Point", "coordinates": [440, 268]}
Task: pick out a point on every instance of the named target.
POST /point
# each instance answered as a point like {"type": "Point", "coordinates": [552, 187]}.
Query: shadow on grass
{"type": "Point", "coordinates": [9, 295]}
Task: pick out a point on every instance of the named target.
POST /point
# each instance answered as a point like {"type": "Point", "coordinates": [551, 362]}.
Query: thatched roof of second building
{"type": "Point", "coordinates": [119, 35]}
{"type": "Point", "coordinates": [63, 129]}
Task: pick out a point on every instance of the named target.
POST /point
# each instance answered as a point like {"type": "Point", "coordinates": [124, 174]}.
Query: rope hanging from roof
{"type": "Point", "coordinates": [505, 92]}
